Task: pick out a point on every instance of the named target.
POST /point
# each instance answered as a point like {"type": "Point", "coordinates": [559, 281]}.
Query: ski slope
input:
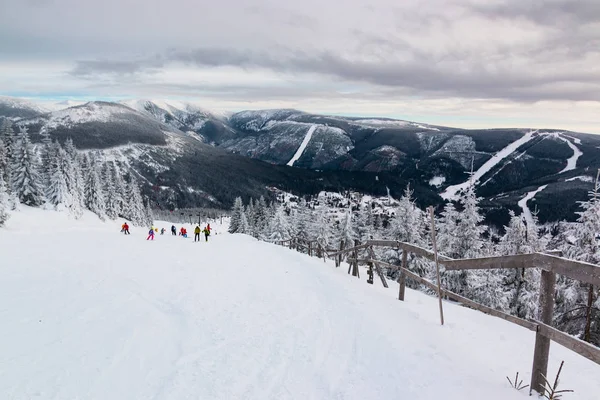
{"type": "Point", "coordinates": [451, 192]}
{"type": "Point", "coordinates": [303, 145]}
{"type": "Point", "coordinates": [523, 204]}
{"type": "Point", "coordinates": [572, 161]}
{"type": "Point", "coordinates": [90, 314]}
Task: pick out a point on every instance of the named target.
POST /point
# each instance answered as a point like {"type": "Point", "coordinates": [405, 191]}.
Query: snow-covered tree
{"type": "Point", "coordinates": [300, 222]}
{"type": "Point", "coordinates": [134, 206]}
{"type": "Point", "coordinates": [408, 224]}
{"type": "Point", "coordinates": [119, 190]}
{"type": "Point", "coordinates": [261, 217]}
{"type": "Point", "coordinates": [278, 226]}
{"type": "Point", "coordinates": [47, 154]}
{"type": "Point", "coordinates": [236, 215]}
{"type": "Point", "coordinates": [74, 178]}
{"type": "Point", "coordinates": [582, 306]}
{"type": "Point", "coordinates": [4, 202]}
{"type": "Point", "coordinates": [110, 194]}
{"type": "Point", "coordinates": [244, 227]}
{"type": "Point", "coordinates": [94, 194]}
{"type": "Point", "coordinates": [3, 160]}
{"type": "Point", "coordinates": [58, 192]}
{"type": "Point", "coordinates": [321, 228]}
{"type": "Point", "coordinates": [469, 228]}
{"type": "Point", "coordinates": [364, 223]}
{"type": "Point", "coordinates": [25, 178]}
{"type": "Point", "coordinates": [347, 232]}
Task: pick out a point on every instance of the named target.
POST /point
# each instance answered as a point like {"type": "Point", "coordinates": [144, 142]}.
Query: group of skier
{"type": "Point", "coordinates": [183, 232]}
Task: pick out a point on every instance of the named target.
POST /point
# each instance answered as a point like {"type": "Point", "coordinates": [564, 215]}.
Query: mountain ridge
{"type": "Point", "coordinates": [430, 157]}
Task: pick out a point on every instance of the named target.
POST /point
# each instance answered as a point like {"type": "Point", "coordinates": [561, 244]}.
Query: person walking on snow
{"type": "Point", "coordinates": [206, 233]}
{"type": "Point", "coordinates": [125, 229]}
{"type": "Point", "coordinates": [162, 231]}
{"type": "Point", "coordinates": [150, 234]}
{"type": "Point", "coordinates": [173, 230]}
{"type": "Point", "coordinates": [197, 233]}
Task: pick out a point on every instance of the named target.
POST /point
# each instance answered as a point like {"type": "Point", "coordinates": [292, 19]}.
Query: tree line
{"type": "Point", "coordinates": [60, 177]}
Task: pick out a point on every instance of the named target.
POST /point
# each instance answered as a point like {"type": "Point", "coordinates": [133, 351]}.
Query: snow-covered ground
{"type": "Point", "coordinates": [90, 314]}
{"type": "Point", "coordinates": [451, 192]}
{"type": "Point", "coordinates": [572, 161]}
{"type": "Point", "coordinates": [523, 204]}
{"type": "Point", "coordinates": [303, 145]}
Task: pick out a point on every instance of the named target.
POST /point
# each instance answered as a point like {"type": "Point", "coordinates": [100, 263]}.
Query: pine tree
{"type": "Point", "coordinates": [47, 153]}
{"type": "Point", "coordinates": [10, 141]}
{"type": "Point", "coordinates": [261, 217]}
{"type": "Point", "coordinates": [4, 202]}
{"type": "Point", "coordinates": [251, 218]}
{"type": "Point", "coordinates": [347, 231]}
{"type": "Point", "coordinates": [278, 226]}
{"type": "Point", "coordinates": [3, 160]}
{"type": "Point", "coordinates": [587, 248]}
{"type": "Point", "coordinates": [244, 227]}
{"type": "Point", "coordinates": [94, 195]}
{"type": "Point", "coordinates": [364, 223]}
{"type": "Point", "coordinates": [25, 178]}
{"type": "Point", "coordinates": [74, 178]}
{"type": "Point", "coordinates": [110, 195]}
{"type": "Point", "coordinates": [236, 215]}
{"type": "Point", "coordinates": [119, 189]}
{"type": "Point", "coordinates": [58, 192]}
{"type": "Point", "coordinates": [134, 206]}
{"type": "Point", "coordinates": [300, 224]}
{"type": "Point", "coordinates": [408, 224]}
{"type": "Point", "coordinates": [321, 228]}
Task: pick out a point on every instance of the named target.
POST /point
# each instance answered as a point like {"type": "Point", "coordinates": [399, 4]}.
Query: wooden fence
{"type": "Point", "coordinates": [548, 263]}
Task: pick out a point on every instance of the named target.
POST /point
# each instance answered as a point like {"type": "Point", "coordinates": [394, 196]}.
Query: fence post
{"type": "Point", "coordinates": [542, 343]}
{"type": "Point", "coordinates": [402, 277]}
{"type": "Point", "coordinates": [338, 258]}
{"type": "Point", "coordinates": [437, 265]}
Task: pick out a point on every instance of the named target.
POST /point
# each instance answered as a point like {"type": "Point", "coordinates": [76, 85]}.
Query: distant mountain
{"type": "Point", "coordinates": [191, 156]}
{"type": "Point", "coordinates": [177, 168]}
{"type": "Point", "coordinates": [14, 108]}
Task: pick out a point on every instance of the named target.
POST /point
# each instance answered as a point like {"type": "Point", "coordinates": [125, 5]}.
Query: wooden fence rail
{"type": "Point", "coordinates": [550, 264]}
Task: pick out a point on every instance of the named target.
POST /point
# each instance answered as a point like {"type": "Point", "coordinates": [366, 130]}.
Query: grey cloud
{"type": "Point", "coordinates": [545, 12]}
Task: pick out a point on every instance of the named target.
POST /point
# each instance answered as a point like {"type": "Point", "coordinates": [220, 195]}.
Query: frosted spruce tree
{"type": "Point", "coordinates": [582, 308]}
{"type": "Point", "coordinates": [321, 228]}
{"type": "Point", "coordinates": [347, 233]}
{"type": "Point", "coordinates": [24, 169]}
{"type": "Point", "coordinates": [4, 202]}
{"type": "Point", "coordinates": [261, 217]}
{"type": "Point", "coordinates": [58, 193]}
{"type": "Point", "coordinates": [408, 225]}
{"type": "Point", "coordinates": [9, 139]}
{"type": "Point", "coordinates": [94, 193]}
{"type": "Point", "coordinates": [74, 178]}
{"type": "Point", "coordinates": [521, 285]}
{"type": "Point", "coordinates": [112, 205]}
{"type": "Point", "coordinates": [236, 215]}
{"type": "Point", "coordinates": [134, 204]}
{"type": "Point", "coordinates": [119, 191]}
{"type": "Point", "coordinates": [278, 226]}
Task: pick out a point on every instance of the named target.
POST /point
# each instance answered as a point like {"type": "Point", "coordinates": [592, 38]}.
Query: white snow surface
{"type": "Point", "coordinates": [303, 145]}
{"type": "Point", "coordinates": [90, 314]}
{"type": "Point", "coordinates": [437, 181]}
{"type": "Point", "coordinates": [523, 204]}
{"type": "Point", "coordinates": [583, 178]}
{"type": "Point", "coordinates": [572, 161]}
{"type": "Point", "coordinates": [451, 192]}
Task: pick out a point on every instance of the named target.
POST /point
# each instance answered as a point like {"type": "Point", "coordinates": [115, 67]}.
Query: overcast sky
{"type": "Point", "coordinates": [467, 63]}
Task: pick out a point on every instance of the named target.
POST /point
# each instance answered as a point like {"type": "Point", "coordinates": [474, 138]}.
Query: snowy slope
{"type": "Point", "coordinates": [523, 204]}
{"type": "Point", "coordinates": [303, 145]}
{"type": "Point", "coordinates": [572, 161]}
{"type": "Point", "coordinates": [92, 314]}
{"type": "Point", "coordinates": [451, 192]}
